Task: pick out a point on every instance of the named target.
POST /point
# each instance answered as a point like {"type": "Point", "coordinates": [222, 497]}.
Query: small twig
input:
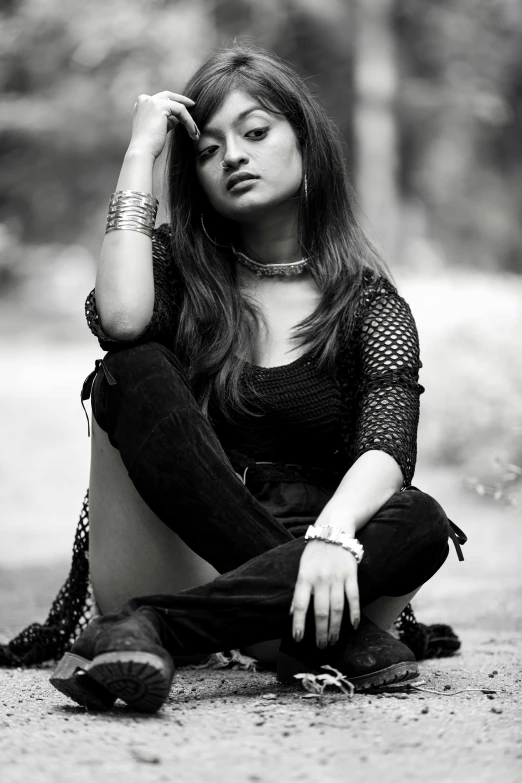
{"type": "Point", "coordinates": [449, 693]}
{"type": "Point", "coordinates": [316, 683]}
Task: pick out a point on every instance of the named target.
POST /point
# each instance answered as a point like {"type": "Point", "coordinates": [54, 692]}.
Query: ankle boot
{"type": "Point", "coordinates": [119, 655]}
{"type": "Point", "coordinates": [369, 657]}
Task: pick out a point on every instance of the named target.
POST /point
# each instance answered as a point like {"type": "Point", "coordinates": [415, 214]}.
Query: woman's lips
{"type": "Point", "coordinates": [243, 185]}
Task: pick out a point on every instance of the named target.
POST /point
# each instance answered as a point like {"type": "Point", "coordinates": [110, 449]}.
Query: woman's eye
{"type": "Point", "coordinates": [206, 153]}
{"type": "Point", "coordinates": [263, 131]}
{"type": "Point", "coordinates": [210, 150]}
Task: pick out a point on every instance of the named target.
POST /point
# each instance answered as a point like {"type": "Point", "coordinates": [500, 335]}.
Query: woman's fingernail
{"type": "Point", "coordinates": [298, 635]}
{"type": "Point", "coordinates": [356, 623]}
{"type": "Point", "coordinates": [321, 644]}
{"type": "Point", "coordinates": [196, 130]}
{"type": "Point", "coordinates": [333, 639]}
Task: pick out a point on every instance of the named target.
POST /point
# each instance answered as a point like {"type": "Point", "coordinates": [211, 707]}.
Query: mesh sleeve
{"type": "Point", "coordinates": [388, 393]}
{"type": "Point", "coordinates": [164, 297]}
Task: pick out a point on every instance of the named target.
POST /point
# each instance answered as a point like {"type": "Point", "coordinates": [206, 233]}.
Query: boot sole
{"type": "Point", "coordinates": [287, 667]}
{"type": "Point", "coordinates": [142, 680]}
{"type": "Point", "coordinates": [70, 678]}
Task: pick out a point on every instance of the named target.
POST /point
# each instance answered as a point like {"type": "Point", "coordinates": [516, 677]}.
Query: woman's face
{"type": "Point", "coordinates": [249, 140]}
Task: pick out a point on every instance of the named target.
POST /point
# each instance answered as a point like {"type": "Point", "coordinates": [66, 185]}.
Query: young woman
{"type": "Point", "coordinates": [255, 417]}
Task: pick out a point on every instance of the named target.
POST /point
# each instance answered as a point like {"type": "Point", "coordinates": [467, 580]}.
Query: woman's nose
{"type": "Point", "coordinates": [234, 156]}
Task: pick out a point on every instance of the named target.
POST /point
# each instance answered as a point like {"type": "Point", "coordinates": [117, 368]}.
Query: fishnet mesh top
{"type": "Point", "coordinates": [375, 398]}
{"type": "Point", "coordinates": [372, 403]}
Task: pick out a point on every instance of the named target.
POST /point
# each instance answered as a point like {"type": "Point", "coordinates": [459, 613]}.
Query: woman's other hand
{"type": "Point", "coordinates": [329, 573]}
{"type": "Point", "coordinates": [155, 115]}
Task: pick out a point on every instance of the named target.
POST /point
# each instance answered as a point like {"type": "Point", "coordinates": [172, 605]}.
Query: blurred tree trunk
{"type": "Point", "coordinates": [375, 77]}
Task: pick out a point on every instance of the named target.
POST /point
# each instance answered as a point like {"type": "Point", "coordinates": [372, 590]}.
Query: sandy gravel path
{"type": "Point", "coordinates": [236, 726]}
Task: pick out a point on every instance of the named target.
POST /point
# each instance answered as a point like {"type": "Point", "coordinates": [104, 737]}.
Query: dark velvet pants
{"type": "Point", "coordinates": [177, 464]}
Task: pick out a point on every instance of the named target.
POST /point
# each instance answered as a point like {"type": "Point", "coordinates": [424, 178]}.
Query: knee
{"type": "Point", "coordinates": [140, 358]}
{"type": "Point", "coordinates": [425, 512]}
{"type": "Point", "coordinates": [118, 373]}
{"type": "Point", "coordinates": [416, 513]}
{"type": "Point", "coordinates": [423, 531]}
{"type": "Point", "coordinates": [138, 383]}
{"type": "Point", "coordinates": [138, 363]}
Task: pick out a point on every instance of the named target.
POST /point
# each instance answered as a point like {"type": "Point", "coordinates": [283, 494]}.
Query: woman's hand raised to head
{"type": "Point", "coordinates": [329, 573]}
{"type": "Point", "coordinates": [155, 115]}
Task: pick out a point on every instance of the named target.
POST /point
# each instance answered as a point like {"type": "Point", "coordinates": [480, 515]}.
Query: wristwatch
{"type": "Point", "coordinates": [335, 535]}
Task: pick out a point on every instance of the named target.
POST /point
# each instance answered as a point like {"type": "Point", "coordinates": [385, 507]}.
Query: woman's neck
{"type": "Point", "coordinates": [271, 240]}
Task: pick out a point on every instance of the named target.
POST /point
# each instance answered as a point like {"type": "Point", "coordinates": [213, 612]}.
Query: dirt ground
{"type": "Point", "coordinates": [238, 726]}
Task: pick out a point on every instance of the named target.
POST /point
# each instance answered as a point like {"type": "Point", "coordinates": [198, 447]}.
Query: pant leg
{"type": "Point", "coordinates": [405, 544]}
{"type": "Point", "coordinates": [176, 461]}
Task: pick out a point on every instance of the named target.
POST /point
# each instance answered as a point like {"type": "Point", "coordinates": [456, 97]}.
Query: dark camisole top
{"type": "Point", "coordinates": [301, 409]}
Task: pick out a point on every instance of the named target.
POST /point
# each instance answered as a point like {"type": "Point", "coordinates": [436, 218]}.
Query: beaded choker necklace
{"type": "Point", "coordinates": [269, 270]}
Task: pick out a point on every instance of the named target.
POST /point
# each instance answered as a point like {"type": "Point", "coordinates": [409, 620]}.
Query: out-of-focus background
{"type": "Point", "coordinates": [428, 97]}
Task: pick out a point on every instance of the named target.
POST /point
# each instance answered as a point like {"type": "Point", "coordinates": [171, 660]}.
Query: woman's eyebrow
{"type": "Point", "coordinates": [241, 116]}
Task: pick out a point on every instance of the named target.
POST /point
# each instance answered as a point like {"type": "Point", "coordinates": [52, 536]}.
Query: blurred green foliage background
{"type": "Point", "coordinates": [428, 97]}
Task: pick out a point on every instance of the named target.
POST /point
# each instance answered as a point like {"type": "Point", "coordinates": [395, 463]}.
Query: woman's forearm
{"type": "Point", "coordinates": [124, 278]}
{"type": "Point", "coordinates": [364, 489]}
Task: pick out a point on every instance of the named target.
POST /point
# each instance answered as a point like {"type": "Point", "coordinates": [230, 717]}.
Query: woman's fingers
{"type": "Point", "coordinates": [300, 603]}
{"type": "Point", "coordinates": [351, 589]}
{"type": "Point", "coordinates": [174, 96]}
{"type": "Point", "coordinates": [336, 611]}
{"type": "Point", "coordinates": [329, 574]}
{"type": "Point", "coordinates": [174, 108]}
{"type": "Point", "coordinates": [177, 111]}
{"type": "Point", "coordinates": [322, 613]}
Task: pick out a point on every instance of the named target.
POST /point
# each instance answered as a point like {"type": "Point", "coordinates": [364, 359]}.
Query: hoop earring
{"type": "Point", "coordinates": [209, 237]}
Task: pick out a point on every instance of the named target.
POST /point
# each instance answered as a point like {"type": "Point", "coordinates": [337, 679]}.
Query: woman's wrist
{"type": "Point", "coordinates": [341, 521]}
{"type": "Point", "coordinates": [136, 171]}
{"type": "Point", "coordinates": [138, 152]}
{"type": "Point", "coordinates": [349, 530]}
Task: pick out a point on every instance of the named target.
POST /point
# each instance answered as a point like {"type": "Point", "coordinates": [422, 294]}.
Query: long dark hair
{"type": "Point", "coordinates": [217, 324]}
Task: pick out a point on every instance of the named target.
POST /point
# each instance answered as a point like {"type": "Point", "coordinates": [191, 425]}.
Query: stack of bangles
{"type": "Point", "coordinates": [133, 210]}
